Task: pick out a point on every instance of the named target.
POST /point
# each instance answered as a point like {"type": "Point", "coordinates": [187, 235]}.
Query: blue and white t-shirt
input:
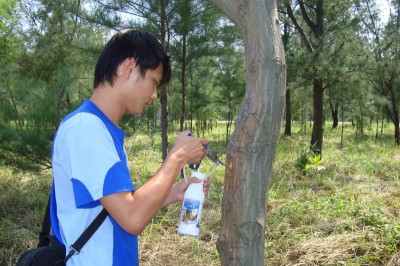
{"type": "Point", "coordinates": [89, 162]}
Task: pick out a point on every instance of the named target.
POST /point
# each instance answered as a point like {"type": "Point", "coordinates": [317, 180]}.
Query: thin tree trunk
{"type": "Point", "coordinates": [304, 113]}
{"type": "Point", "coordinates": [288, 108]}
{"type": "Point", "coordinates": [394, 111]}
{"type": "Point", "coordinates": [377, 123]}
{"type": "Point", "coordinates": [335, 114]}
{"type": "Point", "coordinates": [288, 112]}
{"type": "Point", "coordinates": [163, 96]}
{"type": "Point", "coordinates": [183, 84]}
{"type": "Point", "coordinates": [318, 116]}
{"type": "Point", "coordinates": [395, 119]}
{"type": "Point", "coordinates": [342, 134]}
{"type": "Point", "coordinates": [397, 130]}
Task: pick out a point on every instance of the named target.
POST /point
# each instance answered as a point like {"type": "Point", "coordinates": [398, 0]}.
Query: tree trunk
{"type": "Point", "coordinates": [335, 114]}
{"type": "Point", "coordinates": [377, 123]}
{"type": "Point", "coordinates": [317, 28]}
{"type": "Point", "coordinates": [395, 113]}
{"type": "Point", "coordinates": [163, 96]}
{"type": "Point", "coordinates": [396, 129]}
{"type": "Point", "coordinates": [288, 112]}
{"type": "Point", "coordinates": [318, 116]}
{"type": "Point", "coordinates": [342, 134]}
{"type": "Point", "coordinates": [288, 108]}
{"type": "Point", "coordinates": [183, 84]}
{"type": "Point", "coordinates": [164, 121]}
{"type": "Point", "coordinates": [252, 147]}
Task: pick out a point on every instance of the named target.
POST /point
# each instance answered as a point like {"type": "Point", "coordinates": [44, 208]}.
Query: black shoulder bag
{"type": "Point", "coordinates": [51, 252]}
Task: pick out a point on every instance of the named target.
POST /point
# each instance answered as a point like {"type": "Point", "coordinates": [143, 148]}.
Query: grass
{"type": "Point", "coordinates": [343, 212]}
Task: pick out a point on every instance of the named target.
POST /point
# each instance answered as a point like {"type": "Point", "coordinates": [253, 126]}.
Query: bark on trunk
{"type": "Point", "coordinates": [252, 147]}
{"type": "Point", "coordinates": [288, 112]}
{"type": "Point", "coordinates": [163, 96]}
{"type": "Point", "coordinates": [396, 129]}
{"type": "Point", "coordinates": [183, 84]}
{"type": "Point", "coordinates": [164, 122]}
{"type": "Point", "coordinates": [335, 114]}
{"type": "Point", "coordinates": [288, 108]}
{"type": "Point", "coordinates": [395, 114]}
{"type": "Point", "coordinates": [318, 116]}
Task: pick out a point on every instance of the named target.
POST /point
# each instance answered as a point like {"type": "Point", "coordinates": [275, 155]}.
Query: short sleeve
{"type": "Point", "coordinates": [95, 165]}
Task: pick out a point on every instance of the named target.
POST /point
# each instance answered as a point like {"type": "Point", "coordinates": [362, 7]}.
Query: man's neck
{"type": "Point", "coordinates": [108, 102]}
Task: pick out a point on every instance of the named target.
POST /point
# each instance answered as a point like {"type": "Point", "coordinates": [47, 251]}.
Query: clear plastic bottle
{"type": "Point", "coordinates": [192, 207]}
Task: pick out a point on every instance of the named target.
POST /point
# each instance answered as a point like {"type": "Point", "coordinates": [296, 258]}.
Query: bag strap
{"type": "Point", "coordinates": [44, 239]}
{"type": "Point", "coordinates": [81, 241]}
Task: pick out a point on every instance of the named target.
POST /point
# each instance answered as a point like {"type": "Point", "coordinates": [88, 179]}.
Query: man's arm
{"type": "Point", "coordinates": [134, 210]}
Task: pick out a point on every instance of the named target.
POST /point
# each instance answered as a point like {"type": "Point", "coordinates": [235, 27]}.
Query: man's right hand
{"type": "Point", "coordinates": [190, 148]}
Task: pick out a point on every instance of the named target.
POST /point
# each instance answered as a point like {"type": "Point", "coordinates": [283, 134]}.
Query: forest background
{"type": "Point", "coordinates": [342, 69]}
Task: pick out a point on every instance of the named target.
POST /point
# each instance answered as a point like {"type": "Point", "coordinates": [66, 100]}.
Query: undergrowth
{"type": "Point", "coordinates": [338, 209]}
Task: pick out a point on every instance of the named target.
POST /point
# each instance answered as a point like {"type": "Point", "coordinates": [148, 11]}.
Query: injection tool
{"type": "Point", "coordinates": [210, 155]}
{"type": "Point", "coordinates": [213, 157]}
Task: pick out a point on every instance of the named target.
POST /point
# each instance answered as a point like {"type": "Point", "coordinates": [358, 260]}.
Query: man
{"type": "Point", "coordinates": [90, 164]}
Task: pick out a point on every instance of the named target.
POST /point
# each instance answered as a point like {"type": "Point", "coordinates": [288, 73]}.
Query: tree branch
{"type": "Point", "coordinates": [306, 17]}
{"type": "Point", "coordinates": [230, 7]}
{"type": "Point", "coordinates": [304, 38]}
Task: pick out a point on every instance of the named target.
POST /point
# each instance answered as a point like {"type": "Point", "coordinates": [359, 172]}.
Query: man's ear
{"type": "Point", "coordinates": [128, 65]}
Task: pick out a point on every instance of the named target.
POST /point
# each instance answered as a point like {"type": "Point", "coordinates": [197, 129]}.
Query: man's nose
{"type": "Point", "coordinates": [154, 95]}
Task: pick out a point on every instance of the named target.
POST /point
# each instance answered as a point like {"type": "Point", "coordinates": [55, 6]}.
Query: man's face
{"type": "Point", "coordinates": [141, 91]}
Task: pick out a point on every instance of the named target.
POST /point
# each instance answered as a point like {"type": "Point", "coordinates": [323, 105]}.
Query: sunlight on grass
{"type": "Point", "coordinates": [345, 211]}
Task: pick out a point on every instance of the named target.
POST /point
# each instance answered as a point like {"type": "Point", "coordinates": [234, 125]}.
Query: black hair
{"type": "Point", "coordinates": [142, 46]}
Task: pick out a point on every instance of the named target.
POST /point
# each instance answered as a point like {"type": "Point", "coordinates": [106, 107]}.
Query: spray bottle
{"type": "Point", "coordinates": [192, 207]}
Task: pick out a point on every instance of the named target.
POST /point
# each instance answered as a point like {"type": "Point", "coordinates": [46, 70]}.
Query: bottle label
{"type": "Point", "coordinates": [190, 211]}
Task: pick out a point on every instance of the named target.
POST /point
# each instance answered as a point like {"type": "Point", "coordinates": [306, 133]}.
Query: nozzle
{"type": "Point", "coordinates": [213, 157]}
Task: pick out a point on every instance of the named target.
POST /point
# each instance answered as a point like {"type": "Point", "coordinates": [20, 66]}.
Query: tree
{"type": "Point", "coordinates": [10, 47]}
{"type": "Point", "coordinates": [154, 16]}
{"type": "Point", "coordinates": [251, 150]}
{"type": "Point", "coordinates": [231, 83]}
{"type": "Point", "coordinates": [43, 81]}
{"type": "Point", "coordinates": [195, 29]}
{"type": "Point", "coordinates": [328, 31]}
{"type": "Point", "coordinates": [384, 43]}
{"type": "Point", "coordinates": [317, 29]}
{"type": "Point", "coordinates": [186, 28]}
{"type": "Point", "coordinates": [287, 34]}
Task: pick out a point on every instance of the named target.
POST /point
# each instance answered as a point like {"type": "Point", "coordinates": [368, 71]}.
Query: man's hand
{"type": "Point", "coordinates": [191, 148]}
{"type": "Point", "coordinates": [178, 190]}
